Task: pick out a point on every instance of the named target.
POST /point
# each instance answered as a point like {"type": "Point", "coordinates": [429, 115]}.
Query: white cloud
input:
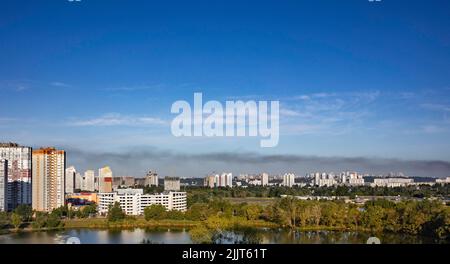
{"type": "Point", "coordinates": [114, 119]}
{"type": "Point", "coordinates": [59, 84]}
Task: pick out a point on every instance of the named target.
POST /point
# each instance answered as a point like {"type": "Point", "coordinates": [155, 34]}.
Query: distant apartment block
{"type": "Point", "coordinates": [219, 180]}
{"type": "Point", "coordinates": [151, 179]}
{"type": "Point", "coordinates": [49, 165]}
{"type": "Point", "coordinates": [123, 181]}
{"type": "Point", "coordinates": [391, 182]}
{"type": "Point", "coordinates": [105, 179]}
{"type": "Point", "coordinates": [3, 185]}
{"type": "Point", "coordinates": [19, 174]}
{"type": "Point", "coordinates": [323, 179]}
{"type": "Point", "coordinates": [288, 179]}
{"type": "Point", "coordinates": [443, 181]}
{"type": "Point", "coordinates": [264, 179]}
{"type": "Point", "coordinates": [133, 201]}
{"type": "Point", "coordinates": [209, 181]}
{"type": "Point", "coordinates": [171, 184]}
{"type": "Point", "coordinates": [71, 173]}
{"type": "Point", "coordinates": [78, 181]}
{"type": "Point", "coordinates": [88, 181]}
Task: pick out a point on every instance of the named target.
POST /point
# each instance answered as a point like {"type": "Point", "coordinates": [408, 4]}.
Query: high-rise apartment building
{"type": "Point", "coordinates": [264, 179]}
{"type": "Point", "coordinates": [105, 180]}
{"type": "Point", "coordinates": [171, 183]}
{"type": "Point", "coordinates": [19, 174]}
{"type": "Point", "coordinates": [3, 184]}
{"type": "Point", "coordinates": [88, 183]}
{"type": "Point", "coordinates": [48, 187]}
{"type": "Point", "coordinates": [288, 179]}
{"type": "Point", "coordinates": [209, 181]}
{"type": "Point", "coordinates": [70, 179]}
{"type": "Point", "coordinates": [78, 181]}
{"type": "Point", "coordinates": [224, 180]}
{"type": "Point", "coordinates": [151, 179]}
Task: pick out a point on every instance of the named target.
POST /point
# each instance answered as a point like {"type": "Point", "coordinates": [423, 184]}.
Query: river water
{"type": "Point", "coordinates": [181, 236]}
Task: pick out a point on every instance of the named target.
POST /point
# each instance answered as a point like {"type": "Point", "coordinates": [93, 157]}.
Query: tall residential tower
{"type": "Point", "coordinates": [49, 167]}
{"type": "Point", "coordinates": [19, 174]}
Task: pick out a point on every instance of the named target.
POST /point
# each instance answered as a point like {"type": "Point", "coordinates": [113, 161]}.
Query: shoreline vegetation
{"type": "Point", "coordinates": [208, 220]}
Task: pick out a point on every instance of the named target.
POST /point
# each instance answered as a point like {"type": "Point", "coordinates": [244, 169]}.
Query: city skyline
{"type": "Point", "coordinates": [361, 86]}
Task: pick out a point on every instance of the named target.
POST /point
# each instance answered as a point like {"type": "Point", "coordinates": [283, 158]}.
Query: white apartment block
{"type": "Point", "coordinates": [330, 179]}
{"type": "Point", "coordinates": [224, 180]}
{"type": "Point", "coordinates": [264, 179]}
{"type": "Point", "coordinates": [133, 201]}
{"type": "Point", "coordinates": [443, 181]}
{"type": "Point", "coordinates": [392, 182]}
{"type": "Point", "coordinates": [88, 182]}
{"type": "Point", "coordinates": [70, 179]}
{"type": "Point", "coordinates": [288, 179]}
{"type": "Point", "coordinates": [151, 179]}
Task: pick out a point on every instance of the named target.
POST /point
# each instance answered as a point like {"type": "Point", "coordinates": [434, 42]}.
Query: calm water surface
{"type": "Point", "coordinates": [170, 236]}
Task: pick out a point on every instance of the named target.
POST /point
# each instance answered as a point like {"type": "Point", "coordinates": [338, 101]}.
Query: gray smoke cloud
{"type": "Point", "coordinates": [137, 162]}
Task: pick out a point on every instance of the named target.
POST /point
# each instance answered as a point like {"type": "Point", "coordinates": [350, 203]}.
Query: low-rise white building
{"type": "Point", "coordinates": [133, 201]}
{"type": "Point", "coordinates": [392, 182]}
{"type": "Point", "coordinates": [443, 181]}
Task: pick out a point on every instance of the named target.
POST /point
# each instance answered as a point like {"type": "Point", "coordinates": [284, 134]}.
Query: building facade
{"type": "Point", "coordinates": [88, 181]}
{"type": "Point", "coordinates": [70, 179]}
{"type": "Point", "coordinates": [133, 201]}
{"type": "Point", "coordinates": [48, 186]}
{"type": "Point", "coordinates": [105, 180]}
{"type": "Point", "coordinates": [78, 181]}
{"type": "Point", "coordinates": [210, 181]}
{"type": "Point", "coordinates": [19, 174]}
{"type": "Point", "coordinates": [3, 185]}
{"type": "Point", "coordinates": [392, 182]}
{"type": "Point", "coordinates": [264, 179]}
{"type": "Point", "coordinates": [171, 184]}
{"type": "Point", "coordinates": [288, 179]}
{"type": "Point", "coordinates": [151, 179]}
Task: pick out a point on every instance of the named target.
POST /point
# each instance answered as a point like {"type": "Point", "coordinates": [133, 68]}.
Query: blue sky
{"type": "Point", "coordinates": [354, 79]}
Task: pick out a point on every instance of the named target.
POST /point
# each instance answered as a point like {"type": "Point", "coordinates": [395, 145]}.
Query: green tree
{"type": "Point", "coordinates": [201, 235]}
{"type": "Point", "coordinates": [88, 210]}
{"type": "Point", "coordinates": [16, 220]}
{"type": "Point", "coordinates": [198, 211]}
{"type": "Point", "coordinates": [372, 218]}
{"type": "Point", "coordinates": [40, 220]}
{"type": "Point", "coordinates": [174, 215]}
{"type": "Point", "coordinates": [252, 212]}
{"type": "Point", "coordinates": [25, 212]}
{"type": "Point", "coordinates": [53, 220]}
{"type": "Point", "coordinates": [115, 213]}
{"type": "Point", "coordinates": [4, 219]}
{"type": "Point", "coordinates": [154, 212]}
{"type": "Point", "coordinates": [286, 211]}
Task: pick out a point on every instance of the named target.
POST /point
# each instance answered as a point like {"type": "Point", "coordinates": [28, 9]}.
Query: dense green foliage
{"type": "Point", "coordinates": [202, 194]}
{"type": "Point", "coordinates": [155, 212]}
{"type": "Point", "coordinates": [115, 213]}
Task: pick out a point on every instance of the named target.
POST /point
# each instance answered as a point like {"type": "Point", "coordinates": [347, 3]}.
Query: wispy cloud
{"type": "Point", "coordinates": [436, 107]}
{"type": "Point", "coordinates": [114, 119]}
{"type": "Point", "coordinates": [133, 88]}
{"type": "Point", "coordinates": [59, 84]}
{"type": "Point", "coordinates": [326, 113]}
